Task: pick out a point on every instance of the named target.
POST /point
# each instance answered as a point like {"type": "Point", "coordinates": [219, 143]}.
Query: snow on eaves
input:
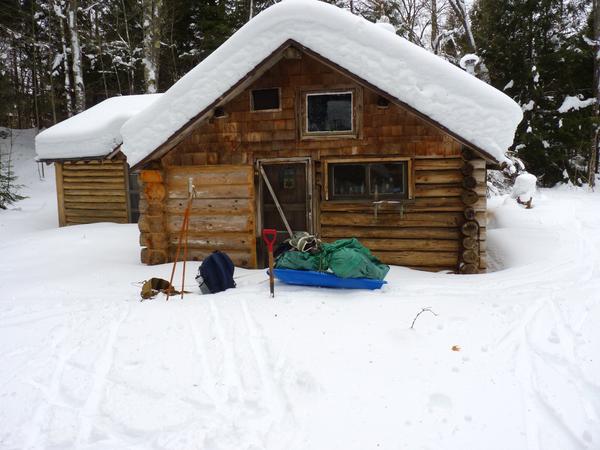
{"type": "Point", "coordinates": [93, 132]}
{"type": "Point", "coordinates": [468, 107]}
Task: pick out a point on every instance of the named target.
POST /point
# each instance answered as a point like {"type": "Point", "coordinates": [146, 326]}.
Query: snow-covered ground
{"type": "Point", "coordinates": [38, 211]}
{"type": "Point", "coordinates": [84, 364]}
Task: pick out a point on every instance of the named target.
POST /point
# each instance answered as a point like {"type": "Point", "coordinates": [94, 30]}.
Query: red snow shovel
{"type": "Point", "coordinates": [269, 236]}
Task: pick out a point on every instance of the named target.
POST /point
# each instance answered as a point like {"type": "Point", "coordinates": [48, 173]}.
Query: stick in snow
{"type": "Point", "coordinates": [421, 312]}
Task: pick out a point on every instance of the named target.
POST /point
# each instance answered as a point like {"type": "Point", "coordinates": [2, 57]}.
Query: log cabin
{"type": "Point", "coordinates": [347, 128]}
{"type": "Point", "coordinates": [93, 180]}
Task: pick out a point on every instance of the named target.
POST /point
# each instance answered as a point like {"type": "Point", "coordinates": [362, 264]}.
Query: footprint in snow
{"type": "Point", "coordinates": [439, 403]}
{"type": "Point", "coordinates": [553, 338]}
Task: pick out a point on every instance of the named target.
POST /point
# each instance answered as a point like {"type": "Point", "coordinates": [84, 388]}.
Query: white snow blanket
{"type": "Point", "coordinates": [93, 132]}
{"type": "Point", "coordinates": [465, 105]}
{"type": "Point", "coordinates": [85, 365]}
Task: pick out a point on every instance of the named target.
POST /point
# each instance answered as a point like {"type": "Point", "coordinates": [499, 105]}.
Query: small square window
{"type": "Point", "coordinates": [265, 99]}
{"type": "Point", "coordinates": [368, 181]}
{"type": "Point", "coordinates": [329, 112]}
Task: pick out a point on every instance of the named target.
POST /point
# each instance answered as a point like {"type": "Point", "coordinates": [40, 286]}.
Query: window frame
{"type": "Point", "coordinates": [328, 185]}
{"type": "Point", "coordinates": [356, 106]}
{"type": "Point", "coordinates": [264, 89]}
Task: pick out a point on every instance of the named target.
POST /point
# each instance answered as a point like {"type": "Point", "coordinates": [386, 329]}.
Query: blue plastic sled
{"type": "Point", "coordinates": [321, 279]}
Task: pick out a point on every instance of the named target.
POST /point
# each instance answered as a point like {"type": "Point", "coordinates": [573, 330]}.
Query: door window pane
{"type": "Point", "coordinates": [349, 180]}
{"type": "Point", "coordinates": [329, 112]}
{"type": "Point", "coordinates": [387, 178]}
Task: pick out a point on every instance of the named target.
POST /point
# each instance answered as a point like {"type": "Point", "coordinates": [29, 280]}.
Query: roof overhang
{"type": "Point", "coordinates": [108, 157]}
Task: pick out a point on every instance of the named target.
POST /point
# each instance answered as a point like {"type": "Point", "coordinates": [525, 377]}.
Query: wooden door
{"type": "Point", "coordinates": [291, 183]}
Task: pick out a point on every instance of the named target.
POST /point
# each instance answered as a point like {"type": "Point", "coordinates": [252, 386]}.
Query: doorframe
{"type": "Point", "coordinates": [308, 165]}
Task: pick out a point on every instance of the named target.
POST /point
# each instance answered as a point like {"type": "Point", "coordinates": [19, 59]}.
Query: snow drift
{"type": "Point", "coordinates": [468, 107]}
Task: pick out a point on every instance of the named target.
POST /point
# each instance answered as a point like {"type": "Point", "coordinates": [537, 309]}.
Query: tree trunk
{"type": "Point", "coordinates": [34, 71]}
{"type": "Point", "coordinates": [76, 55]}
{"type": "Point", "coordinates": [131, 71]}
{"type": "Point", "coordinates": [461, 12]}
{"type": "Point", "coordinates": [65, 60]}
{"type": "Point", "coordinates": [434, 27]}
{"type": "Point", "coordinates": [593, 163]}
{"type": "Point", "coordinates": [99, 45]}
{"type": "Point", "coordinates": [460, 9]}
{"type": "Point", "coordinates": [16, 82]}
{"type": "Point", "coordinates": [151, 44]}
{"type": "Point", "coordinates": [52, 101]}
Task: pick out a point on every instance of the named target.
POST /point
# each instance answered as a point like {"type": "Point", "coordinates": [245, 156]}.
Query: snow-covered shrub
{"type": "Point", "coordinates": [524, 188]}
{"type": "Point", "coordinates": [8, 187]}
{"type": "Point", "coordinates": [500, 182]}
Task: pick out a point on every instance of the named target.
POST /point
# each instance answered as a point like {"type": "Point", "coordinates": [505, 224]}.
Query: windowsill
{"type": "Point", "coordinates": [329, 135]}
{"type": "Point", "coordinates": [370, 202]}
{"type": "Point", "coordinates": [265, 110]}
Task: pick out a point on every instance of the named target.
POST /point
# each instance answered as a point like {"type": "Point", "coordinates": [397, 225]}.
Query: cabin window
{"type": "Point", "coordinates": [368, 180]}
{"type": "Point", "coordinates": [329, 112]}
{"type": "Point", "coordinates": [265, 99]}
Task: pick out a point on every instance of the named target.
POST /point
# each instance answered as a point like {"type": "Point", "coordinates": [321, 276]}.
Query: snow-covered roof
{"type": "Point", "coordinates": [470, 109]}
{"type": "Point", "coordinates": [93, 132]}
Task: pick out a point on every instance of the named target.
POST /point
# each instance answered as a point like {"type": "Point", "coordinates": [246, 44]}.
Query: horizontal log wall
{"type": "Point", "coordinates": [423, 233]}
{"type": "Point", "coordinates": [480, 208]}
{"type": "Point", "coordinates": [91, 192]}
{"type": "Point", "coordinates": [427, 235]}
{"type": "Point", "coordinates": [222, 215]}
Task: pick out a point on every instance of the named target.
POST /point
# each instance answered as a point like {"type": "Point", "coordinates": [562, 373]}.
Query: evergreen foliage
{"type": "Point", "coordinates": [9, 189]}
{"type": "Point", "coordinates": [535, 51]}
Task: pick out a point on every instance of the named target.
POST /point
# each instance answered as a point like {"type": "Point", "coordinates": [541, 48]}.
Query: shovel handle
{"type": "Point", "coordinates": [269, 236]}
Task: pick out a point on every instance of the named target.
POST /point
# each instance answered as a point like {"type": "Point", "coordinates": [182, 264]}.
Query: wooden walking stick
{"type": "Point", "coordinates": [171, 288]}
{"type": "Point", "coordinates": [182, 238]}
{"type": "Point", "coordinates": [269, 235]}
{"type": "Point", "coordinates": [185, 246]}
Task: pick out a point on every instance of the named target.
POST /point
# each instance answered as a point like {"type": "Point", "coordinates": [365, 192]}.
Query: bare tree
{"type": "Point", "coordinates": [593, 163]}
{"type": "Point", "coordinates": [462, 14]}
{"type": "Point", "coordinates": [459, 8]}
{"type": "Point", "coordinates": [152, 34]}
{"type": "Point", "coordinates": [434, 25]}
{"type": "Point", "coordinates": [76, 57]}
{"type": "Point", "coordinates": [130, 51]}
{"type": "Point", "coordinates": [64, 59]}
{"type": "Point", "coordinates": [413, 20]}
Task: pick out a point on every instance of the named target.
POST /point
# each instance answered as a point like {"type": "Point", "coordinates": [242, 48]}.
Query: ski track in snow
{"type": "Point", "coordinates": [101, 371]}
{"type": "Point", "coordinates": [86, 365]}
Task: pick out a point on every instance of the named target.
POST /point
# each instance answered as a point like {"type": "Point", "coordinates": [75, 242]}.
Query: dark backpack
{"type": "Point", "coordinates": [216, 273]}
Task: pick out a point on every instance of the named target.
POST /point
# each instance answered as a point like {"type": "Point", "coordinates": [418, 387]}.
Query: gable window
{"type": "Point", "coordinates": [265, 99]}
{"type": "Point", "coordinates": [329, 112]}
{"type": "Point", "coordinates": [368, 180]}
